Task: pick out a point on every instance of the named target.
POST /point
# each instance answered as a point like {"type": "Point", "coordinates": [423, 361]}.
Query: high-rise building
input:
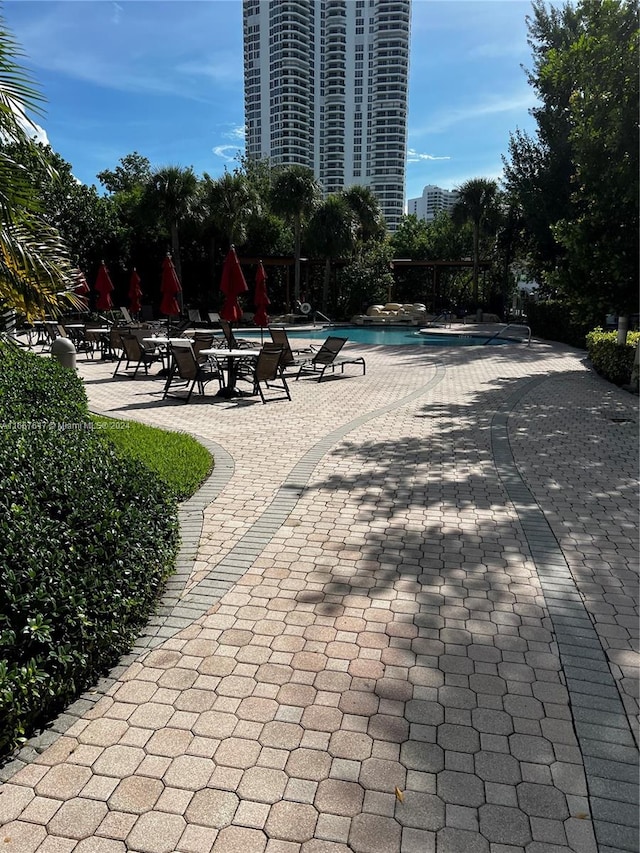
{"type": "Point", "coordinates": [326, 87]}
{"type": "Point", "coordinates": [432, 201]}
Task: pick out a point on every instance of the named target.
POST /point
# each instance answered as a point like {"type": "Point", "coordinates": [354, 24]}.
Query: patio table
{"type": "Point", "coordinates": [231, 356]}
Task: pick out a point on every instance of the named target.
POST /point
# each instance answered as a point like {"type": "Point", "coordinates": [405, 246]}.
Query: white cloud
{"type": "Point", "coordinates": [226, 69]}
{"type": "Point", "coordinates": [519, 102]}
{"type": "Point", "coordinates": [31, 128]}
{"type": "Point", "coordinates": [414, 157]}
{"type": "Point", "coordinates": [184, 50]}
{"type": "Point", "coordinates": [227, 152]}
{"type": "Point", "coordinates": [238, 132]}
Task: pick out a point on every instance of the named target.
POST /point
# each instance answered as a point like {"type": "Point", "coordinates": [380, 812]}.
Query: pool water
{"type": "Point", "coordinates": [384, 336]}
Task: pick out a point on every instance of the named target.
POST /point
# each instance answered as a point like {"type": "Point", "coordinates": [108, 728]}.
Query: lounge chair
{"type": "Point", "coordinates": [126, 316]}
{"type": "Point", "coordinates": [214, 318]}
{"type": "Point", "coordinates": [195, 319]}
{"type": "Point", "coordinates": [327, 356]}
{"type": "Point", "coordinates": [289, 356]}
{"type": "Point", "coordinates": [178, 327]}
{"type": "Point", "coordinates": [187, 372]}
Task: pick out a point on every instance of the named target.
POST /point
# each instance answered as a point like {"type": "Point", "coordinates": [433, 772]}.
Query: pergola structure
{"type": "Point", "coordinates": [436, 267]}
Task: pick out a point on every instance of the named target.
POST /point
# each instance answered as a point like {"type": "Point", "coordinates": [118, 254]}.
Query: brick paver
{"type": "Point", "coordinates": [404, 620]}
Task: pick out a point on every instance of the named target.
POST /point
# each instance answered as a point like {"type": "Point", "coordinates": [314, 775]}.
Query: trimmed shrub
{"type": "Point", "coordinates": [608, 358]}
{"type": "Point", "coordinates": [556, 321]}
{"type": "Point", "coordinates": [86, 540]}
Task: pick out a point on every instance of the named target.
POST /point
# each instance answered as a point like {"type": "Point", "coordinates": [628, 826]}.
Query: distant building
{"type": "Point", "coordinates": [432, 201]}
{"type": "Point", "coordinates": [326, 87]}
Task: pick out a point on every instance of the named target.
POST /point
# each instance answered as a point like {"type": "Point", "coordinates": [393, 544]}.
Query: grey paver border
{"type": "Point", "coordinates": [599, 718]}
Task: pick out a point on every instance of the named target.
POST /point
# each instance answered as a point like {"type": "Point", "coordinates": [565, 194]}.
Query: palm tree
{"type": "Point", "coordinates": [476, 199]}
{"type": "Point", "coordinates": [331, 234]}
{"type": "Point", "coordinates": [366, 209]}
{"type": "Point", "coordinates": [35, 269]}
{"type": "Point", "coordinates": [229, 202]}
{"type": "Point", "coordinates": [171, 190]}
{"type": "Point", "coordinates": [226, 205]}
{"type": "Point", "coordinates": [294, 194]}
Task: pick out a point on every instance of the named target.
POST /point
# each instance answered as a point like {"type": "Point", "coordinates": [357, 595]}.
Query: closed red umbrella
{"type": "Point", "coordinates": [82, 292]}
{"type": "Point", "coordinates": [170, 289]}
{"type": "Point", "coordinates": [104, 289]}
{"type": "Point", "coordinates": [260, 299]}
{"type": "Point", "coordinates": [232, 285]}
{"type": "Point", "coordinates": [135, 293]}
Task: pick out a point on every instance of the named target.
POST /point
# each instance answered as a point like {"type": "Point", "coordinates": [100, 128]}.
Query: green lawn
{"type": "Point", "coordinates": [178, 459]}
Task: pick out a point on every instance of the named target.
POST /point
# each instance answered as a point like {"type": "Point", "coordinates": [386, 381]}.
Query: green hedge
{"type": "Point", "coordinates": [86, 540]}
{"type": "Point", "coordinates": [610, 360]}
{"type": "Point", "coordinates": [556, 321]}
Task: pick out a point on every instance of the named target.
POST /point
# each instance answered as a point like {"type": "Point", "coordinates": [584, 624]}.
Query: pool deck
{"type": "Point", "coordinates": [404, 620]}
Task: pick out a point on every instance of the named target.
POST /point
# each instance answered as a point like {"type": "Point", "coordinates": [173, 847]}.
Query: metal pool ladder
{"type": "Point", "coordinates": [504, 329]}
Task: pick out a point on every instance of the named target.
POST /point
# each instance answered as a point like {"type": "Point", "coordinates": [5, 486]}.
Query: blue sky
{"type": "Point", "coordinates": [166, 79]}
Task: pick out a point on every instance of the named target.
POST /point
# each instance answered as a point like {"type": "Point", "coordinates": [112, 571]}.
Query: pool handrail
{"type": "Point", "coordinates": [504, 329]}
{"type": "Point", "coordinates": [443, 315]}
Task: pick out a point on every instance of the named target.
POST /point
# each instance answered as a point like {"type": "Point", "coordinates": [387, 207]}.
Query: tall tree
{"type": "Point", "coordinates": [229, 201]}
{"type": "Point", "coordinates": [133, 171]}
{"type": "Point", "coordinates": [331, 235]}
{"type": "Point", "coordinates": [476, 204]}
{"type": "Point", "coordinates": [410, 240]}
{"type": "Point", "coordinates": [576, 181]}
{"type": "Point", "coordinates": [172, 190]}
{"type": "Point", "coordinates": [294, 194]}
{"type": "Point", "coordinates": [601, 237]}
{"type": "Point", "coordinates": [368, 215]}
{"type": "Point", "coordinates": [34, 262]}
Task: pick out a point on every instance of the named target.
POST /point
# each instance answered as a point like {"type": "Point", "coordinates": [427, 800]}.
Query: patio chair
{"type": "Point", "coordinates": [327, 356]}
{"type": "Point", "coordinates": [280, 338]}
{"type": "Point", "coordinates": [51, 332]}
{"type": "Point", "coordinates": [232, 341]}
{"type": "Point", "coordinates": [135, 354]}
{"type": "Point", "coordinates": [79, 337]}
{"type": "Point", "coordinates": [187, 372]}
{"type": "Point", "coordinates": [112, 348]}
{"type": "Point", "coordinates": [214, 318]}
{"type": "Point", "coordinates": [195, 319]}
{"type": "Point", "coordinates": [268, 369]}
{"type": "Point", "coordinates": [205, 340]}
{"type": "Point", "coordinates": [95, 339]}
{"type": "Point", "coordinates": [126, 316]}
{"type": "Point", "coordinates": [178, 327]}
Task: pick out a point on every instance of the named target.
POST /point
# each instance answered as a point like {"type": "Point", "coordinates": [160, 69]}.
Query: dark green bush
{"type": "Point", "coordinates": [610, 360]}
{"type": "Point", "coordinates": [556, 321]}
{"type": "Point", "coordinates": [86, 541]}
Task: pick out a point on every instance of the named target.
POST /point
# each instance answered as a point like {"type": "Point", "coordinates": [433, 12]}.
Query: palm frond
{"type": "Point", "coordinates": [36, 274]}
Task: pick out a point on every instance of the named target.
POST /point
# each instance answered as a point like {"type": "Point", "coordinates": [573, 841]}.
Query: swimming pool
{"type": "Point", "coordinates": [382, 336]}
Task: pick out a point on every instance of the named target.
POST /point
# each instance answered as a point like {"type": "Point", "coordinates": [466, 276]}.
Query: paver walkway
{"type": "Point", "coordinates": [404, 621]}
